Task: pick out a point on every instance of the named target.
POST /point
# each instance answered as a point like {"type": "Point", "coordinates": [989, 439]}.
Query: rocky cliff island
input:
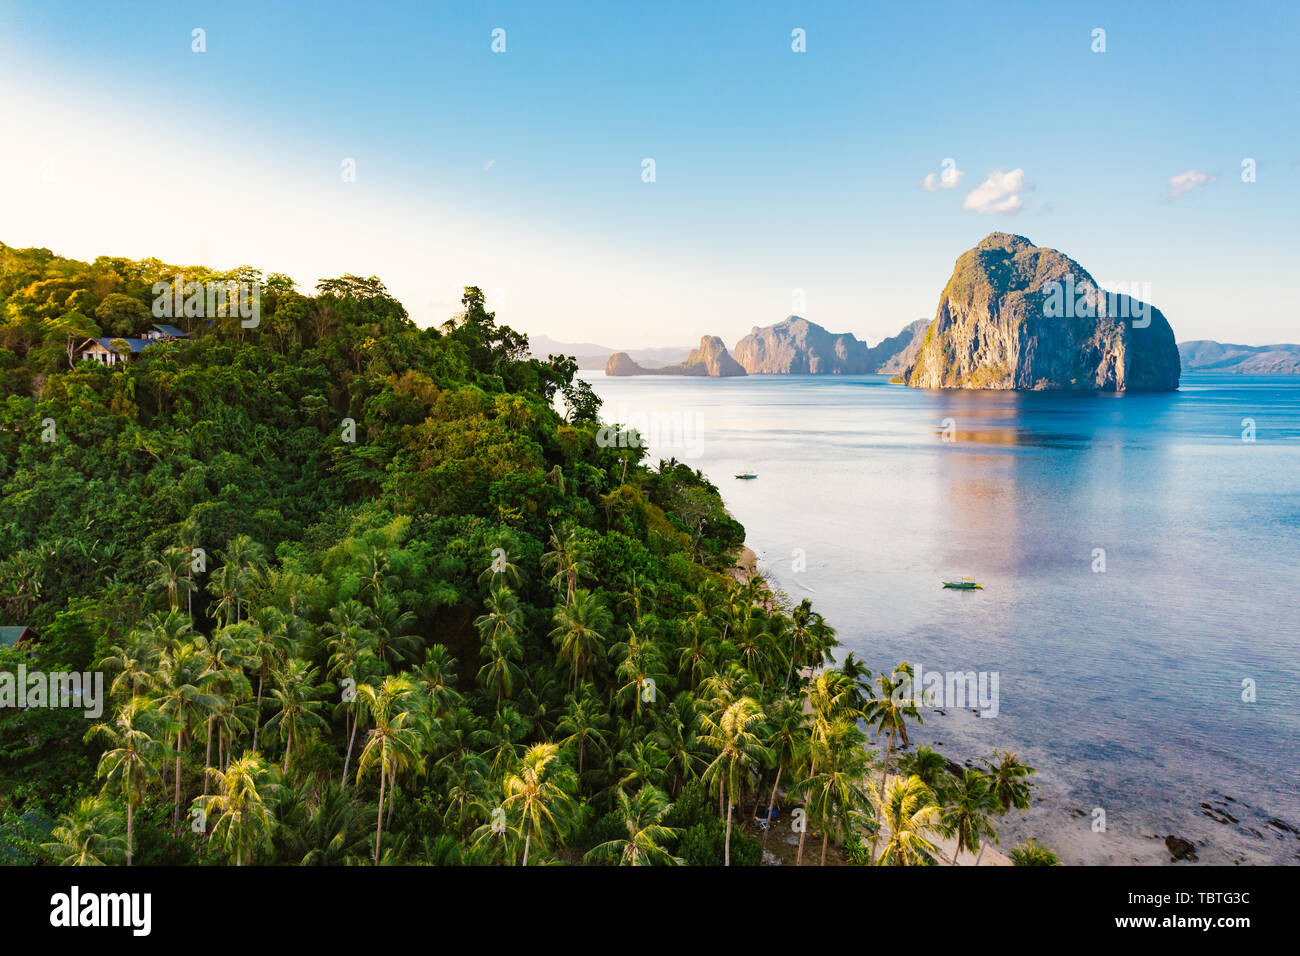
{"type": "Point", "coordinates": [1016, 316]}
{"type": "Point", "coordinates": [711, 358]}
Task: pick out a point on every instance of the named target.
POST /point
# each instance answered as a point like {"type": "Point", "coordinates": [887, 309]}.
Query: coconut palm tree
{"type": "Point", "coordinates": [86, 835]}
{"type": "Point", "coordinates": [888, 713]}
{"type": "Point", "coordinates": [1033, 853]}
{"type": "Point", "coordinates": [971, 801]}
{"type": "Point", "coordinates": [582, 723]}
{"type": "Point", "coordinates": [173, 573]}
{"type": "Point", "coordinates": [931, 767]}
{"type": "Point", "coordinates": [133, 660]}
{"type": "Point", "coordinates": [182, 700]}
{"type": "Point", "coordinates": [567, 560]}
{"type": "Point", "coordinates": [223, 656]}
{"type": "Point", "coordinates": [271, 643]}
{"type": "Point", "coordinates": [677, 734]}
{"type": "Point", "coordinates": [906, 811]}
{"type": "Point", "coordinates": [579, 634]}
{"type": "Point", "coordinates": [787, 733]}
{"type": "Point", "coordinates": [834, 795]}
{"type": "Point", "coordinates": [393, 743]}
{"type": "Point", "coordinates": [640, 669]}
{"type": "Point", "coordinates": [391, 624]}
{"type": "Point", "coordinates": [296, 699]}
{"type": "Point", "coordinates": [132, 757]}
{"type": "Point", "coordinates": [1010, 782]}
{"type": "Point", "coordinates": [499, 628]}
{"type": "Point", "coordinates": [238, 803]}
{"type": "Point", "coordinates": [734, 739]}
{"type": "Point", "coordinates": [243, 562]}
{"type": "Point", "coordinates": [502, 571]}
{"type": "Point", "coordinates": [537, 795]}
{"type": "Point", "coordinates": [642, 816]}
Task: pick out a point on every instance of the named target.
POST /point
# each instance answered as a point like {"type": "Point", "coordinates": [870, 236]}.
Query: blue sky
{"type": "Point", "coordinates": [775, 171]}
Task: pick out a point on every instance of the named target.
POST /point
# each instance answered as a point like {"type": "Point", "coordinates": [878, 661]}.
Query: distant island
{"type": "Point", "coordinates": [1012, 316]}
{"type": "Point", "coordinates": [710, 358]}
{"type": "Point", "coordinates": [1017, 316]}
{"type": "Point", "coordinates": [794, 346]}
{"type": "Point", "coordinates": [1203, 355]}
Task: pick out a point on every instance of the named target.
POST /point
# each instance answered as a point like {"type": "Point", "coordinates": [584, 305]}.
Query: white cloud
{"type": "Point", "coordinates": [947, 179]}
{"type": "Point", "coordinates": [999, 193]}
{"type": "Point", "coordinates": [1186, 182]}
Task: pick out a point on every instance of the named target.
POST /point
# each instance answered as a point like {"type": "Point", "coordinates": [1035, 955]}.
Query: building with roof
{"type": "Point", "coordinates": [101, 349]}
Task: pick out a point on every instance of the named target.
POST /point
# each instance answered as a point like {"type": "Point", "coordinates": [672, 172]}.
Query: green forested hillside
{"type": "Point", "coordinates": [362, 594]}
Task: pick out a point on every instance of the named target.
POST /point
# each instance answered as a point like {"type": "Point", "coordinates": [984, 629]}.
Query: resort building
{"type": "Point", "coordinates": [101, 349]}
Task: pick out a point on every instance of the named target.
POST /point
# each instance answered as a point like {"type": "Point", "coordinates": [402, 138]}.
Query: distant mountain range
{"type": "Point", "coordinates": [1203, 355]}
{"type": "Point", "coordinates": [592, 356]}
{"type": "Point", "coordinates": [999, 325]}
{"type": "Point", "coordinates": [793, 346]}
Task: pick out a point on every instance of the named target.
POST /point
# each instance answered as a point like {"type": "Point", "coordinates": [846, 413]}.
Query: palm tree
{"type": "Point", "coordinates": [537, 794]}
{"type": "Point", "coordinates": [391, 623]}
{"type": "Point", "coordinates": [787, 733]}
{"type": "Point", "coordinates": [182, 700]}
{"type": "Point", "coordinates": [189, 543]}
{"type": "Point", "coordinates": [581, 724]}
{"type": "Point", "coordinates": [1033, 853]}
{"type": "Point", "coordinates": [832, 698]}
{"type": "Point", "coordinates": [568, 561]}
{"type": "Point", "coordinates": [296, 696]}
{"type": "Point", "coordinates": [393, 743]}
{"type": "Point", "coordinates": [908, 813]}
{"type": "Point", "coordinates": [500, 628]}
{"type": "Point", "coordinates": [85, 835]}
{"type": "Point", "coordinates": [971, 801]}
{"type": "Point", "coordinates": [501, 570]}
{"type": "Point", "coordinates": [352, 658]}
{"type": "Point", "coordinates": [642, 815]}
{"type": "Point", "coordinates": [172, 573]}
{"type": "Point", "coordinates": [888, 713]}
{"type": "Point", "coordinates": [835, 797]}
{"type": "Point", "coordinates": [1010, 784]}
{"type": "Point", "coordinates": [243, 562]}
{"type": "Point", "coordinates": [579, 634]}
{"type": "Point", "coordinates": [437, 679]}
{"type": "Point", "coordinates": [132, 758]}
{"type": "Point", "coordinates": [677, 734]}
{"type": "Point", "coordinates": [133, 660]}
{"type": "Point", "coordinates": [738, 747]}
{"type": "Point", "coordinates": [243, 821]}
{"type": "Point", "coordinates": [931, 767]}
{"type": "Point", "coordinates": [640, 668]}
{"type": "Point", "coordinates": [271, 644]}
{"type": "Point", "coordinates": [223, 656]}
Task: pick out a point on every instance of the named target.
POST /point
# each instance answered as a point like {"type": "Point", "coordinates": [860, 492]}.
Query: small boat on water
{"type": "Point", "coordinates": [965, 584]}
{"type": "Point", "coordinates": [747, 477]}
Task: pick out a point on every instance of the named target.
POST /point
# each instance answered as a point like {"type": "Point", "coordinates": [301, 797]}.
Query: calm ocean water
{"type": "Point", "coordinates": [1123, 685]}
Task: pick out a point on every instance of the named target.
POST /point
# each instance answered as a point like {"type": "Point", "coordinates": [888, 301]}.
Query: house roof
{"type": "Point", "coordinates": [137, 345]}
{"type": "Point", "coordinates": [172, 331]}
{"type": "Point", "coordinates": [9, 636]}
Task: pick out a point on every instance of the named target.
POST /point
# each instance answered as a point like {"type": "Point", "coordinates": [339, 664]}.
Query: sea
{"type": "Point", "coordinates": [1137, 633]}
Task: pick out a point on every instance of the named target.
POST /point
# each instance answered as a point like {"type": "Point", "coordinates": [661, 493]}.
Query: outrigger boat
{"type": "Point", "coordinates": [747, 477]}
{"type": "Point", "coordinates": [965, 584]}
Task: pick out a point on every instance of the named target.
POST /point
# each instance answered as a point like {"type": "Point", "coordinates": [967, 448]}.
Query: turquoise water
{"type": "Point", "coordinates": [1123, 685]}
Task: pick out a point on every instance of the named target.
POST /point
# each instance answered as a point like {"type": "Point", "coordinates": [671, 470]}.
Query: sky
{"type": "Point", "coordinates": [839, 182]}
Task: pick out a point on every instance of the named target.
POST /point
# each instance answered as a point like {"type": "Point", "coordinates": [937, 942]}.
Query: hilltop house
{"type": "Point", "coordinates": [100, 350]}
{"type": "Point", "coordinates": [12, 636]}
